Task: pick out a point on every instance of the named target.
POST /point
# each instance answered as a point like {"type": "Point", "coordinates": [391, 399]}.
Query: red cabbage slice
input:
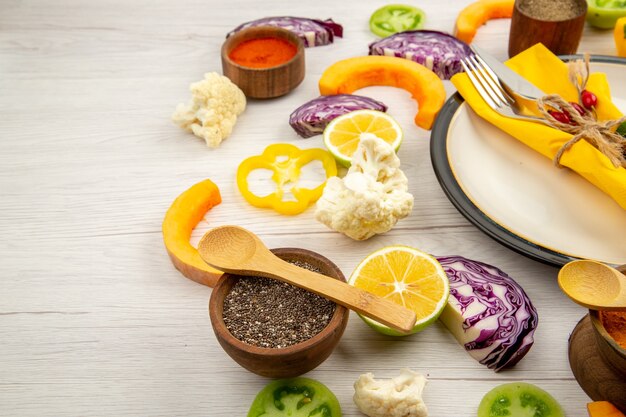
{"type": "Point", "coordinates": [312, 31]}
{"type": "Point", "coordinates": [437, 51]}
{"type": "Point", "coordinates": [488, 312]}
{"type": "Point", "coordinates": [311, 118]}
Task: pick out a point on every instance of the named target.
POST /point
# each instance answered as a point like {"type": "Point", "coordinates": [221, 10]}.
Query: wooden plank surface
{"type": "Point", "coordinates": [94, 320]}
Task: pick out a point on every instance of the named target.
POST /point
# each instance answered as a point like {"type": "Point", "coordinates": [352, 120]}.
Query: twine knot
{"type": "Point", "coordinates": [599, 134]}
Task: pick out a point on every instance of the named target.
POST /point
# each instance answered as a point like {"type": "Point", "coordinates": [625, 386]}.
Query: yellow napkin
{"type": "Point", "coordinates": [542, 68]}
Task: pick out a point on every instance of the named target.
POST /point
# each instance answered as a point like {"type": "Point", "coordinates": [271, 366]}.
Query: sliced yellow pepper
{"type": "Point", "coordinates": [285, 161]}
{"type": "Point", "coordinates": [619, 33]}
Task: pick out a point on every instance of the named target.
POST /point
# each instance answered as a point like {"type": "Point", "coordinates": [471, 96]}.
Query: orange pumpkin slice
{"type": "Point", "coordinates": [478, 13]}
{"type": "Point", "coordinates": [180, 220]}
{"type": "Point", "coordinates": [603, 409]}
{"type": "Point", "coordinates": [349, 75]}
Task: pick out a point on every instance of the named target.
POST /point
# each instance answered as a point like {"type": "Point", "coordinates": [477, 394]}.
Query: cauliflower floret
{"type": "Point", "coordinates": [373, 195]}
{"type": "Point", "coordinates": [398, 397]}
{"type": "Point", "coordinates": [212, 112]}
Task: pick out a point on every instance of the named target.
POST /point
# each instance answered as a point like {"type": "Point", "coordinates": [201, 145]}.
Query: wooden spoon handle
{"type": "Point", "coordinates": [621, 268]}
{"type": "Point", "coordinates": [363, 302]}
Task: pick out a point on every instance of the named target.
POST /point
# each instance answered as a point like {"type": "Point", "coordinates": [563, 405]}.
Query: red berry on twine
{"type": "Point", "coordinates": [560, 116]}
{"type": "Point", "coordinates": [588, 99]}
{"type": "Point", "coordinates": [599, 134]}
{"type": "Point", "coordinates": [578, 108]}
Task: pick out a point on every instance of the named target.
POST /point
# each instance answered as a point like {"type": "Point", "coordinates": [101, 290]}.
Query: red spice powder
{"type": "Point", "coordinates": [614, 323]}
{"type": "Point", "coordinates": [263, 52]}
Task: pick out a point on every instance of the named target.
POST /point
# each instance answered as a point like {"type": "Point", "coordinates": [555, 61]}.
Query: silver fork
{"type": "Point", "coordinates": [490, 89]}
{"type": "Point", "coordinates": [517, 87]}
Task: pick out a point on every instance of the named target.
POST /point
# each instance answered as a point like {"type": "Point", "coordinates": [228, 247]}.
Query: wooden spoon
{"type": "Point", "coordinates": [238, 251]}
{"type": "Point", "coordinates": [594, 285]}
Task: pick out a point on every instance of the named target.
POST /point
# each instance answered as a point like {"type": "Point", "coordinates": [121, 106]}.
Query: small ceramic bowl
{"type": "Point", "coordinates": [280, 362]}
{"type": "Point", "coordinates": [264, 82]}
{"type": "Point", "coordinates": [612, 353]}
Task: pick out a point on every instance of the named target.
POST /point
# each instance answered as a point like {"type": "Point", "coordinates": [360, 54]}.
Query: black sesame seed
{"type": "Point", "coordinates": [273, 314]}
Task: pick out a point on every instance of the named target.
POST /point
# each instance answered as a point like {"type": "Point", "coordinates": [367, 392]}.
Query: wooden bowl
{"type": "Point", "coordinates": [598, 362]}
{"type": "Point", "coordinates": [609, 349]}
{"type": "Point", "coordinates": [264, 82]}
{"type": "Point", "coordinates": [280, 362]}
{"type": "Point", "coordinates": [559, 36]}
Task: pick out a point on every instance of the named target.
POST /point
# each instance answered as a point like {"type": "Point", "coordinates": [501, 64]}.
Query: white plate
{"type": "Point", "coordinates": [518, 197]}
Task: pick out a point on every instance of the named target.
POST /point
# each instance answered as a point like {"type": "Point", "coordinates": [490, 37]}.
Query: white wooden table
{"type": "Point", "coordinates": [94, 320]}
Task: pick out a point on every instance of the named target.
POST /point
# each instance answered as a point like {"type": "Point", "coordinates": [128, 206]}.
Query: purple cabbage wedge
{"type": "Point", "coordinates": [312, 117]}
{"type": "Point", "coordinates": [488, 312]}
{"type": "Point", "coordinates": [437, 51]}
{"type": "Point", "coordinates": [313, 32]}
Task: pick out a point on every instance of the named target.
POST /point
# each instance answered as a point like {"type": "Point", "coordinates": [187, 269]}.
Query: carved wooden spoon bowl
{"type": "Point", "coordinates": [236, 250]}
{"type": "Point", "coordinates": [594, 285]}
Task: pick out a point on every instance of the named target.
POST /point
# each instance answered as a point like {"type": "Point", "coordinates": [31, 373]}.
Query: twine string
{"type": "Point", "coordinates": [601, 135]}
{"type": "Point", "coordinates": [598, 134]}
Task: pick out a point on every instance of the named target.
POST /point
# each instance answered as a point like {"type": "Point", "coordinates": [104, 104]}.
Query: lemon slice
{"type": "Point", "coordinates": [407, 277]}
{"type": "Point", "coordinates": [342, 135]}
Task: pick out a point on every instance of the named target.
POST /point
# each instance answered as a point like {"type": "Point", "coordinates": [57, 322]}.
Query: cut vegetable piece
{"type": "Point", "coordinates": [394, 18]}
{"type": "Point", "coordinates": [603, 409]}
{"type": "Point", "coordinates": [312, 117]}
{"type": "Point", "coordinates": [604, 14]}
{"type": "Point", "coordinates": [519, 399]}
{"type": "Point", "coordinates": [343, 134]}
{"type": "Point", "coordinates": [400, 396]}
{"type": "Point", "coordinates": [407, 277]}
{"type": "Point", "coordinates": [286, 162]}
{"type": "Point", "coordinates": [478, 13]}
{"type": "Point", "coordinates": [348, 75]}
{"type": "Point", "coordinates": [621, 129]}
{"type": "Point", "coordinates": [437, 51]}
{"type": "Point", "coordinates": [619, 34]}
{"type": "Point", "coordinates": [372, 197]}
{"type": "Point", "coordinates": [180, 220]}
{"type": "Point", "coordinates": [212, 112]}
{"type": "Point", "coordinates": [313, 32]}
{"type": "Point", "coordinates": [296, 397]}
{"type": "Point", "coordinates": [488, 312]}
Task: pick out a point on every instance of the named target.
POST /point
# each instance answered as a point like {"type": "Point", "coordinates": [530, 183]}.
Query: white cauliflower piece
{"type": "Point", "coordinates": [212, 112]}
{"type": "Point", "coordinates": [373, 195]}
{"type": "Point", "coordinates": [398, 397]}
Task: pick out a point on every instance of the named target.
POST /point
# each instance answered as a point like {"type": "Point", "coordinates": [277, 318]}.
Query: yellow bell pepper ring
{"type": "Point", "coordinates": [285, 161]}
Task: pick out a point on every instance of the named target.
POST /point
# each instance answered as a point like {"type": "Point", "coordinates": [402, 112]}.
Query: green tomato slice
{"type": "Point", "coordinates": [394, 18]}
{"type": "Point", "coordinates": [519, 399]}
{"type": "Point", "coordinates": [295, 397]}
{"type": "Point", "coordinates": [604, 13]}
{"type": "Point", "coordinates": [611, 4]}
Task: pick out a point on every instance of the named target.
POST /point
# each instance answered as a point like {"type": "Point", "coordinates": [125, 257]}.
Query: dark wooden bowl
{"type": "Point", "coordinates": [264, 82]}
{"type": "Point", "coordinates": [597, 362]}
{"type": "Point", "coordinates": [610, 350]}
{"type": "Point", "coordinates": [281, 362]}
{"type": "Point", "coordinates": [559, 36]}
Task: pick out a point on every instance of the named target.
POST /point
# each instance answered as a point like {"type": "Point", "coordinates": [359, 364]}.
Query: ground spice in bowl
{"type": "Point", "coordinates": [272, 314]}
{"type": "Point", "coordinates": [263, 52]}
{"type": "Point", "coordinates": [551, 10]}
{"type": "Point", "coordinates": [614, 323]}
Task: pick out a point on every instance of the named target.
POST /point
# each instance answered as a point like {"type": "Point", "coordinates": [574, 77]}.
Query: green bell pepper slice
{"type": "Point", "coordinates": [295, 397]}
{"type": "Point", "coordinates": [394, 18]}
{"type": "Point", "coordinates": [604, 13]}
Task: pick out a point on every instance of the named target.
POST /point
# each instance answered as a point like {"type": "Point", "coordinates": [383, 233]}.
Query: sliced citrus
{"type": "Point", "coordinates": [342, 135]}
{"type": "Point", "coordinates": [408, 277]}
